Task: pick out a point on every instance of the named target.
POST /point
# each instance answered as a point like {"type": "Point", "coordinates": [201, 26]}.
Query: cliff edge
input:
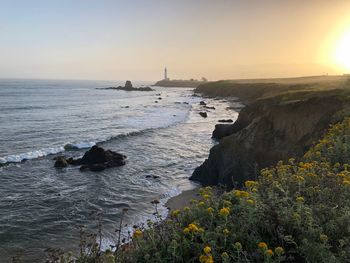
{"type": "Point", "coordinates": [270, 129]}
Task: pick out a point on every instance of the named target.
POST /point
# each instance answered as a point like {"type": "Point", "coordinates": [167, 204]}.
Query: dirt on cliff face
{"type": "Point", "coordinates": [268, 131]}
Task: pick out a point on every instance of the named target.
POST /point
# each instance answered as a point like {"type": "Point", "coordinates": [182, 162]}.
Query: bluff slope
{"type": "Point", "coordinates": [270, 128]}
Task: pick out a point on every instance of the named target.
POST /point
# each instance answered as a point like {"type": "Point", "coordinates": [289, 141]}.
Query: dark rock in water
{"type": "Point", "coordinates": [202, 103]}
{"type": "Point", "coordinates": [96, 159]}
{"type": "Point", "coordinates": [128, 84]}
{"type": "Point", "coordinates": [152, 176]}
{"type": "Point", "coordinates": [84, 168]}
{"type": "Point", "coordinates": [203, 114]}
{"type": "Point", "coordinates": [97, 167]}
{"type": "Point", "coordinates": [210, 108]}
{"type": "Point", "coordinates": [144, 89]}
{"type": "Point", "coordinates": [155, 101]}
{"type": "Point", "coordinates": [265, 132]}
{"type": "Point", "coordinates": [225, 120]}
{"type": "Point", "coordinates": [128, 87]}
{"type": "Point", "coordinates": [61, 162]}
{"type": "Point", "coordinates": [221, 130]}
{"type": "Point", "coordinates": [97, 155]}
{"type": "Point", "coordinates": [72, 161]}
{"type": "Point", "coordinates": [159, 98]}
{"type": "Point", "coordinates": [185, 102]}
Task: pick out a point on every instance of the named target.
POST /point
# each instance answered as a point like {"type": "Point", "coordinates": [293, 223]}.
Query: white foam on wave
{"type": "Point", "coordinates": [83, 145]}
{"type": "Point", "coordinates": [16, 158]}
{"type": "Point", "coordinates": [157, 116]}
{"type": "Point", "coordinates": [79, 145]}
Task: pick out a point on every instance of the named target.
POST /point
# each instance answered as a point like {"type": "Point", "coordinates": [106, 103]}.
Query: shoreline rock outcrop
{"type": "Point", "coordinates": [129, 87]}
{"type": "Point", "coordinates": [95, 159]}
{"type": "Point", "coordinates": [265, 132]}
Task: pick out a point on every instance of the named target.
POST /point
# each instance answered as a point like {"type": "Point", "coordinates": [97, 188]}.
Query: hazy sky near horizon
{"type": "Point", "coordinates": [135, 39]}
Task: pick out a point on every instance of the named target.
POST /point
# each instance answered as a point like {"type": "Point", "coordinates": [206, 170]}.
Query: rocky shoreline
{"type": "Point", "coordinates": [268, 129]}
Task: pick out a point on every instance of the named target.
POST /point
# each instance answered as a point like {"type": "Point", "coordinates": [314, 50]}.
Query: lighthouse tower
{"type": "Point", "coordinates": [166, 74]}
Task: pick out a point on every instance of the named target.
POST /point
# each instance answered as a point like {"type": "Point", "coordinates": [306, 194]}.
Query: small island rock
{"type": "Point", "coordinates": [203, 114]}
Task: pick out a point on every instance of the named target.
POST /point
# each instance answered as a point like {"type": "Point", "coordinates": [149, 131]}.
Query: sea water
{"type": "Point", "coordinates": [40, 206]}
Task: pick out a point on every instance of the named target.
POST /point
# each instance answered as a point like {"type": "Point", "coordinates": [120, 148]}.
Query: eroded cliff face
{"type": "Point", "coordinates": [265, 132]}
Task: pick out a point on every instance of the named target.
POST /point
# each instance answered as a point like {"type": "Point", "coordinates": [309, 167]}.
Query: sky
{"type": "Point", "coordinates": [131, 39]}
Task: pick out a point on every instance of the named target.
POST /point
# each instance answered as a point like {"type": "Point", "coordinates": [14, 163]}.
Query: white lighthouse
{"type": "Point", "coordinates": [166, 74]}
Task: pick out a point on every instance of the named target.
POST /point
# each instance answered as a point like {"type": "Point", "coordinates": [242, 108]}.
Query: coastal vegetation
{"type": "Point", "coordinates": [296, 211]}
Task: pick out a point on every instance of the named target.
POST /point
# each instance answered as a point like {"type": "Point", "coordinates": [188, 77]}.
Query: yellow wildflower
{"type": "Point", "coordinates": [238, 246]}
{"type": "Point", "coordinates": [250, 184]}
{"type": "Point", "coordinates": [226, 231]}
{"type": "Point", "coordinates": [207, 250]}
{"type": "Point", "coordinates": [296, 216]}
{"type": "Point", "coordinates": [206, 196]}
{"type": "Point", "coordinates": [324, 238]}
{"type": "Point", "coordinates": [225, 211]}
{"type": "Point", "coordinates": [300, 199]}
{"type": "Point", "coordinates": [210, 210]}
{"type": "Point", "coordinates": [346, 182]}
{"type": "Point", "coordinates": [186, 230]}
{"type": "Point", "coordinates": [250, 201]}
{"type": "Point", "coordinates": [186, 208]}
{"type": "Point", "coordinates": [238, 193]}
{"type": "Point", "coordinates": [269, 253]}
{"type": "Point", "coordinates": [262, 245]}
{"type": "Point", "coordinates": [137, 233]}
{"type": "Point", "coordinates": [175, 213]}
{"type": "Point", "coordinates": [206, 259]}
{"type": "Point", "coordinates": [193, 227]}
{"type": "Point", "coordinates": [201, 203]}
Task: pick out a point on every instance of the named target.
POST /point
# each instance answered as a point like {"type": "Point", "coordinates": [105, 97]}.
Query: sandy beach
{"type": "Point", "coordinates": [183, 199]}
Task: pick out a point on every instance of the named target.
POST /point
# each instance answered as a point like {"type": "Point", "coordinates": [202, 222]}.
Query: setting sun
{"type": "Point", "coordinates": [342, 51]}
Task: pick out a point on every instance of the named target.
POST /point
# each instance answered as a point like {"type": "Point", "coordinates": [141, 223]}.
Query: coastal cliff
{"type": "Point", "coordinates": [268, 129]}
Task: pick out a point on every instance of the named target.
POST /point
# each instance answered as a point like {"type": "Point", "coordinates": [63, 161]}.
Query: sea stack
{"type": "Point", "coordinates": [128, 84]}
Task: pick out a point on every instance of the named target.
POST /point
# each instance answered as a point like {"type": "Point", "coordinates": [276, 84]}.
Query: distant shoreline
{"type": "Point", "coordinates": [179, 83]}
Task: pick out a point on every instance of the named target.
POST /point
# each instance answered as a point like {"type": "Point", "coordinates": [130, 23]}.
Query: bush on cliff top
{"type": "Point", "coordinates": [294, 212]}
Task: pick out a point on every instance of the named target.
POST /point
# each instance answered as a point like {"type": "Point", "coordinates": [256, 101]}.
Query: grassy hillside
{"type": "Point", "coordinates": [251, 90]}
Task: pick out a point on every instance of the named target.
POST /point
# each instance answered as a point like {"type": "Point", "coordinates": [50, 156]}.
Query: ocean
{"type": "Point", "coordinates": [42, 207]}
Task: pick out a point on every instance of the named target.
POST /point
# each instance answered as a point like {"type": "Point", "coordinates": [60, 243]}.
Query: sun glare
{"type": "Point", "coordinates": [342, 51]}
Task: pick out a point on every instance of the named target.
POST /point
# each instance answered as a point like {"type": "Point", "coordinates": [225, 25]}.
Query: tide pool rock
{"type": "Point", "coordinates": [61, 162]}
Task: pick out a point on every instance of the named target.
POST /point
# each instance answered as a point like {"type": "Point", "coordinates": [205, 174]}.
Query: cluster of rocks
{"type": "Point", "coordinates": [96, 159]}
{"type": "Point", "coordinates": [128, 87]}
{"type": "Point", "coordinates": [204, 104]}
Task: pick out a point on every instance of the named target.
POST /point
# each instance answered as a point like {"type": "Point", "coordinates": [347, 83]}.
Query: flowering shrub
{"type": "Point", "coordinates": [294, 212]}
